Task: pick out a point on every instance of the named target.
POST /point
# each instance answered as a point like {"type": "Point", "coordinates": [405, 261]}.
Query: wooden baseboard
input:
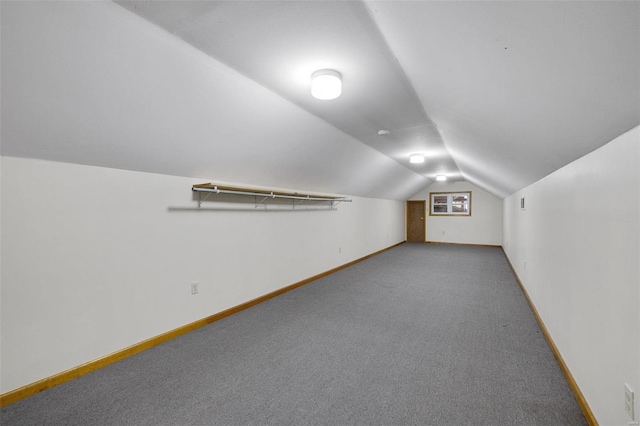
{"type": "Point", "coordinates": [464, 244]}
{"type": "Point", "coordinates": [75, 372]}
{"type": "Point", "coordinates": [582, 402]}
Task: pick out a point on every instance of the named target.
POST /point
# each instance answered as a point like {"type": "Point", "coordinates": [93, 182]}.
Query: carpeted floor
{"type": "Point", "coordinates": [418, 335]}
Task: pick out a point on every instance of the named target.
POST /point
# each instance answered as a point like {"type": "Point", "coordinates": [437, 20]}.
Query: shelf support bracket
{"type": "Point", "coordinates": [334, 203]}
{"type": "Point", "coordinates": [201, 200]}
{"type": "Point", "coordinates": [300, 202]}
{"type": "Point", "coordinates": [263, 200]}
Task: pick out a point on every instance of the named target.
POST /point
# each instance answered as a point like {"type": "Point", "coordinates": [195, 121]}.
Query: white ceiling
{"type": "Point", "coordinates": [280, 44]}
{"type": "Point", "coordinates": [496, 93]}
{"type": "Point", "coordinates": [519, 89]}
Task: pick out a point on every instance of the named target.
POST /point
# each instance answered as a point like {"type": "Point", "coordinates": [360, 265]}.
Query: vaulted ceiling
{"type": "Point", "coordinates": [496, 93]}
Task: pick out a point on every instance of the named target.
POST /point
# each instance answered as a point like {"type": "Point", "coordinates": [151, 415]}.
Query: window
{"type": "Point", "coordinates": [450, 204]}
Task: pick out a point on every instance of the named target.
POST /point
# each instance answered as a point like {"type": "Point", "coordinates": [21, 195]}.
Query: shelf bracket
{"type": "Point", "coordinates": [215, 190]}
{"type": "Point", "coordinates": [201, 200]}
{"type": "Point", "coordinates": [300, 201]}
{"type": "Point", "coordinates": [334, 203]}
{"type": "Point", "coordinates": [263, 200]}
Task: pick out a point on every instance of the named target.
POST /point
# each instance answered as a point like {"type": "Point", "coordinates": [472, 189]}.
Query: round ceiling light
{"type": "Point", "coordinates": [326, 84]}
{"type": "Point", "coordinates": [416, 158]}
{"type": "Point", "coordinates": [441, 178]}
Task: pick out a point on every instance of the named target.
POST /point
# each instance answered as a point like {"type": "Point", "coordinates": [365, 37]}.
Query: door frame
{"type": "Point", "coordinates": [424, 215]}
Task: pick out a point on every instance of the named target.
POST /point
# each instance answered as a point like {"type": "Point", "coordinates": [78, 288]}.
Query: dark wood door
{"type": "Point", "coordinates": [415, 221]}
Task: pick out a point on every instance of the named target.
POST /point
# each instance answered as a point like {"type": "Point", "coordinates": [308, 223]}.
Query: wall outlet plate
{"type": "Point", "coordinates": [194, 287]}
{"type": "Point", "coordinates": [628, 401]}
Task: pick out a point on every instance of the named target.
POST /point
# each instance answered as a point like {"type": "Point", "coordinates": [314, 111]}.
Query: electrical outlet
{"type": "Point", "coordinates": [525, 264]}
{"type": "Point", "coordinates": [628, 401]}
{"type": "Point", "coordinates": [194, 287]}
{"type": "Point", "coordinates": [339, 249]}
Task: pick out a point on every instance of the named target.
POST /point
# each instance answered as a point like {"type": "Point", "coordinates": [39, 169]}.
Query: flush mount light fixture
{"type": "Point", "coordinates": [383, 132]}
{"type": "Point", "coordinates": [326, 84]}
{"type": "Point", "coordinates": [416, 158]}
{"type": "Point", "coordinates": [441, 178]}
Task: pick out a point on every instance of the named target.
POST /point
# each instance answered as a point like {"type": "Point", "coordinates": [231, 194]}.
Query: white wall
{"type": "Point", "coordinates": [484, 226]}
{"type": "Point", "coordinates": [97, 259]}
{"type": "Point", "coordinates": [579, 236]}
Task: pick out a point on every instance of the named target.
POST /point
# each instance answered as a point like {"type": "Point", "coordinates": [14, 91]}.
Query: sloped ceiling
{"type": "Point", "coordinates": [519, 89]}
{"type": "Point", "coordinates": [496, 93]}
{"type": "Point", "coordinates": [507, 92]}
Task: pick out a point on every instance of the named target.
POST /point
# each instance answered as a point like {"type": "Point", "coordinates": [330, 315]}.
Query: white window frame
{"type": "Point", "coordinates": [449, 203]}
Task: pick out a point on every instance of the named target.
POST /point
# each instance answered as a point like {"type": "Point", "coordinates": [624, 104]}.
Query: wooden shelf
{"type": "Point", "coordinates": [264, 194]}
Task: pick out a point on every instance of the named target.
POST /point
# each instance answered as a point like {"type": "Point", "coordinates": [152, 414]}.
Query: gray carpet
{"type": "Point", "coordinates": [418, 335]}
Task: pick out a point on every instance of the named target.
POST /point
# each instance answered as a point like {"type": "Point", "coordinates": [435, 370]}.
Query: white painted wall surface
{"type": "Point", "coordinates": [579, 236]}
{"type": "Point", "coordinates": [484, 226]}
{"type": "Point", "coordinates": [97, 259]}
